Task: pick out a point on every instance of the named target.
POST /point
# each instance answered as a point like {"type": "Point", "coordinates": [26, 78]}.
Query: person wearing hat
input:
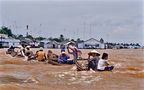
{"type": "Point", "coordinates": [40, 55]}
{"type": "Point", "coordinates": [93, 62]}
{"type": "Point", "coordinates": [63, 58]}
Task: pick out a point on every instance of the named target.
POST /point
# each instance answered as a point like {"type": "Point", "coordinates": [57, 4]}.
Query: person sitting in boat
{"type": "Point", "coordinates": [10, 50]}
{"type": "Point", "coordinates": [103, 64]}
{"type": "Point", "coordinates": [40, 55]}
{"type": "Point", "coordinates": [21, 51]}
{"type": "Point", "coordinates": [93, 62]}
{"type": "Point", "coordinates": [64, 59]}
{"type": "Point", "coordinates": [29, 53]}
{"type": "Point", "coordinates": [52, 58]}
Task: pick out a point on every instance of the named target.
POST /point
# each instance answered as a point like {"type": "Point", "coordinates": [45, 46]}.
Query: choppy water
{"type": "Point", "coordinates": [17, 74]}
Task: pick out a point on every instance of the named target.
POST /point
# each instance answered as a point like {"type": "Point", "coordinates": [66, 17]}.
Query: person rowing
{"type": "Point", "coordinates": [40, 55]}
{"type": "Point", "coordinates": [103, 64]}
{"type": "Point", "coordinates": [52, 58]}
{"type": "Point", "coordinates": [93, 59]}
{"type": "Point", "coordinates": [10, 50]}
{"type": "Point", "coordinates": [64, 59]}
{"type": "Point", "coordinates": [72, 49]}
{"type": "Point", "coordinates": [29, 53]}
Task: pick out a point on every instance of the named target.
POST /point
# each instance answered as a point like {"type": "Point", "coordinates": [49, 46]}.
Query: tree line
{"type": "Point", "coordinates": [7, 31]}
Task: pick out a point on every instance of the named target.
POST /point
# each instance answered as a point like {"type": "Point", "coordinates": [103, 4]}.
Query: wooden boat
{"type": "Point", "coordinates": [81, 64]}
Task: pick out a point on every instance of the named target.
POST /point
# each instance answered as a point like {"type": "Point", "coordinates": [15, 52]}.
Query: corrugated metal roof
{"type": "Point", "coordinates": [10, 40]}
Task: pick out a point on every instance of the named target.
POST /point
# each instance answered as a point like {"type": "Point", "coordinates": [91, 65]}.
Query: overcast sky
{"type": "Point", "coordinates": [112, 20]}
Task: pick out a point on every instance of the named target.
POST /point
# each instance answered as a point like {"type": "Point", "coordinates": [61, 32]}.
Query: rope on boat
{"type": "Point", "coordinates": [78, 65]}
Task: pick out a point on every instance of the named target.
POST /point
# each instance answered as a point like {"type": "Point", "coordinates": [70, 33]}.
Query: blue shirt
{"type": "Point", "coordinates": [63, 58]}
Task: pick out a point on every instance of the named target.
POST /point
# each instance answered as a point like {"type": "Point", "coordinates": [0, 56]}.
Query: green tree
{"type": "Point", "coordinates": [19, 36]}
{"type": "Point", "coordinates": [73, 40]}
{"type": "Point", "coordinates": [40, 38]}
{"type": "Point", "coordinates": [6, 30]}
{"type": "Point", "coordinates": [137, 44]}
{"type": "Point", "coordinates": [79, 40]}
{"type": "Point", "coordinates": [101, 40]}
{"type": "Point", "coordinates": [50, 38]}
{"type": "Point", "coordinates": [30, 37]}
{"type": "Point", "coordinates": [57, 40]}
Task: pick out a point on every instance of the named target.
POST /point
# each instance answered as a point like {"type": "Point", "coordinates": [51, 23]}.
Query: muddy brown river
{"type": "Point", "coordinates": [128, 74]}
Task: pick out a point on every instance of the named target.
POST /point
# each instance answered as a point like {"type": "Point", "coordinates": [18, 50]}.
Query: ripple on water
{"type": "Point", "coordinates": [11, 86]}
{"type": "Point", "coordinates": [17, 77]}
{"type": "Point", "coordinates": [74, 77]}
{"type": "Point", "coordinates": [132, 71]}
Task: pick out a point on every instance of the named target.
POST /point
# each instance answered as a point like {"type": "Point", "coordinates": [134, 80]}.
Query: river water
{"type": "Point", "coordinates": [128, 74]}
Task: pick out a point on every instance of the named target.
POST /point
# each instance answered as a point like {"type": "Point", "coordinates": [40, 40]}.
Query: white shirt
{"type": "Point", "coordinates": [102, 64]}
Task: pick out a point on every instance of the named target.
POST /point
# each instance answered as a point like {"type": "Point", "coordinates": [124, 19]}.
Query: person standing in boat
{"type": "Point", "coordinates": [72, 49]}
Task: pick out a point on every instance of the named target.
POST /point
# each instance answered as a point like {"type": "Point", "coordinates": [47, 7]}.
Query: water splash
{"type": "Point", "coordinates": [31, 79]}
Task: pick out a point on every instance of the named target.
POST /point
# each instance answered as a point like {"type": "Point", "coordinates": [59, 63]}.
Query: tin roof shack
{"type": "Point", "coordinates": [91, 44]}
{"type": "Point", "coordinates": [26, 42]}
{"type": "Point", "coordinates": [65, 43]}
{"type": "Point", "coordinates": [3, 36]}
{"type": "Point", "coordinates": [4, 44]}
{"type": "Point", "coordinates": [53, 44]}
{"type": "Point", "coordinates": [9, 42]}
{"type": "Point", "coordinates": [48, 44]}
